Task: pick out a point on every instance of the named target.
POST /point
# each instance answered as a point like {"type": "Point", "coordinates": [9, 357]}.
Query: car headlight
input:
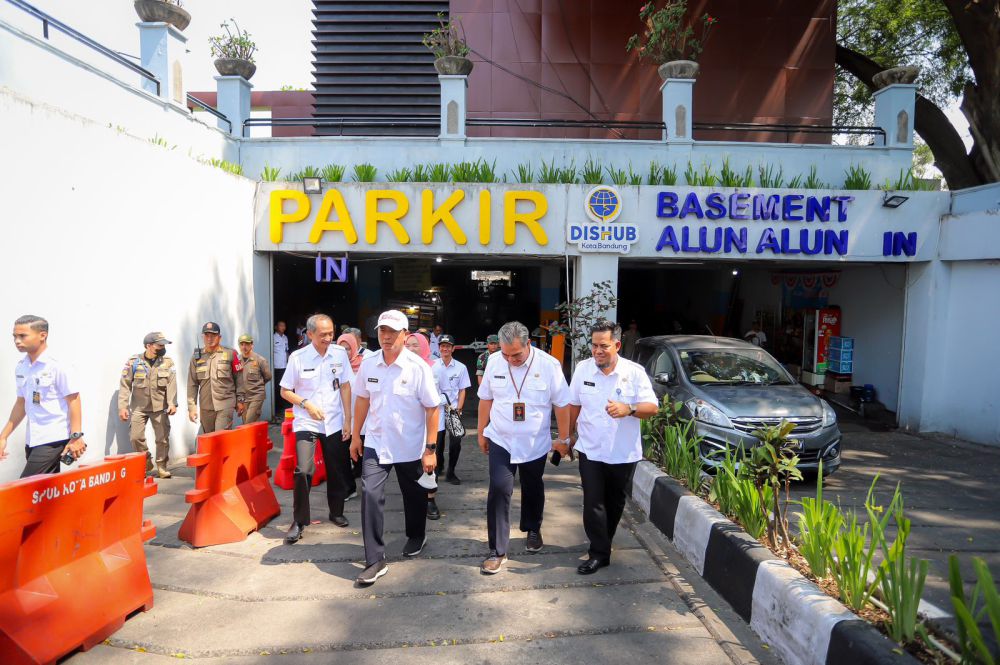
{"type": "Point", "coordinates": [706, 413]}
{"type": "Point", "coordinates": [829, 415]}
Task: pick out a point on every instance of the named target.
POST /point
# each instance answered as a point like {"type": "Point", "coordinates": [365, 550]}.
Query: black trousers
{"type": "Point", "coordinates": [279, 402]}
{"type": "Point", "coordinates": [454, 450]}
{"type": "Point", "coordinates": [502, 474]}
{"type": "Point", "coordinates": [336, 457]}
{"type": "Point", "coordinates": [605, 490]}
{"type": "Point", "coordinates": [43, 458]}
{"type": "Point", "coordinates": [373, 479]}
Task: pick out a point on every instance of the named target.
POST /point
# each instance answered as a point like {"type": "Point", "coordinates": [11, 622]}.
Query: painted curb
{"type": "Point", "coordinates": [795, 617]}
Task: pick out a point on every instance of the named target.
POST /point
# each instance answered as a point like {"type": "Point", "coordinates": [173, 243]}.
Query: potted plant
{"type": "Point", "coordinates": [233, 52]}
{"type": "Point", "coordinates": [163, 11]}
{"type": "Point", "coordinates": [449, 49]}
{"type": "Point", "coordinates": [669, 40]}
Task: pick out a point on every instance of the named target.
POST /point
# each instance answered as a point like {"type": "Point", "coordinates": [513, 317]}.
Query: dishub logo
{"type": "Point", "coordinates": [602, 205]}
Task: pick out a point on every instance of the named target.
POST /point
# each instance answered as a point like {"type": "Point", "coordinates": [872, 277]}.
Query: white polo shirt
{"type": "Point", "coordinates": [318, 379]}
{"type": "Point", "coordinates": [45, 384]}
{"type": "Point", "coordinates": [399, 394]}
{"type": "Point", "coordinates": [280, 351]}
{"type": "Point", "coordinates": [451, 379]}
{"type": "Point", "coordinates": [543, 387]}
{"type": "Point", "coordinates": [603, 438]}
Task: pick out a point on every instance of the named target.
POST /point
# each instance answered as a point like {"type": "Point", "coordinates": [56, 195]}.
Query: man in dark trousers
{"type": "Point", "coordinates": [47, 395]}
{"type": "Point", "coordinates": [397, 404]}
{"type": "Point", "coordinates": [317, 383]}
{"type": "Point", "coordinates": [608, 396]}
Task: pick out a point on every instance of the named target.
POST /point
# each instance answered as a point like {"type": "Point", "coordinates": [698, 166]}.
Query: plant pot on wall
{"type": "Point", "coordinates": [161, 11]}
{"type": "Point", "coordinates": [678, 69]}
{"type": "Point", "coordinates": [453, 65]}
{"type": "Point", "coordinates": [235, 67]}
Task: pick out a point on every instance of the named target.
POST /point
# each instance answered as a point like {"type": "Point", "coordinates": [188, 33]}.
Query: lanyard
{"type": "Point", "coordinates": [510, 373]}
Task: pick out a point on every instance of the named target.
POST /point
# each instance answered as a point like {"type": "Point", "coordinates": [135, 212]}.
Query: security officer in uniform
{"type": "Point", "coordinates": [254, 378]}
{"type": "Point", "coordinates": [212, 382]}
{"type": "Point", "coordinates": [492, 346]}
{"type": "Point", "coordinates": [149, 390]}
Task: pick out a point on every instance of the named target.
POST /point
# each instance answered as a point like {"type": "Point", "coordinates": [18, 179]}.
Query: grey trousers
{"type": "Point", "coordinates": [373, 478]}
{"type": "Point", "coordinates": [502, 474]}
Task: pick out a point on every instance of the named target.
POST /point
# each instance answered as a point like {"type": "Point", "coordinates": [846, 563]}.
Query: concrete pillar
{"type": "Point", "coordinates": [233, 101]}
{"type": "Point", "coordinates": [925, 333]}
{"type": "Point", "coordinates": [453, 92]}
{"type": "Point", "coordinates": [894, 105]}
{"type": "Point", "coordinates": [595, 268]}
{"type": "Point", "coordinates": [677, 110]}
{"type": "Point", "coordinates": [163, 51]}
{"type": "Point", "coordinates": [548, 289]}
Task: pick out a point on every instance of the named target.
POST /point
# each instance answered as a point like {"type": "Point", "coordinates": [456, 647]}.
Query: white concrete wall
{"type": "Point", "coordinates": [109, 94]}
{"type": "Point", "coordinates": [110, 237]}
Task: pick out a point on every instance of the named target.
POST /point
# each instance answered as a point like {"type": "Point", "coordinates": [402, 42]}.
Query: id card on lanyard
{"type": "Point", "coordinates": [519, 406]}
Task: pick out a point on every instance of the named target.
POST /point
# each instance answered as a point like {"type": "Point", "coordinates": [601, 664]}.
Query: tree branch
{"type": "Point", "coordinates": [929, 121]}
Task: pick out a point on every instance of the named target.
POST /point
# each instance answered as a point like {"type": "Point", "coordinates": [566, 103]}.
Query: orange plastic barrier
{"type": "Point", "coordinates": [232, 495]}
{"type": "Point", "coordinates": [72, 565]}
{"type": "Point", "coordinates": [284, 477]}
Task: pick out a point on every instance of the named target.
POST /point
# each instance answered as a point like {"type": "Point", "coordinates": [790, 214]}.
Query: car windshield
{"type": "Point", "coordinates": [731, 366]}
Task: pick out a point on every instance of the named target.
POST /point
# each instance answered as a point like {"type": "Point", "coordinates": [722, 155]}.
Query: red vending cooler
{"type": "Point", "coordinates": [818, 326]}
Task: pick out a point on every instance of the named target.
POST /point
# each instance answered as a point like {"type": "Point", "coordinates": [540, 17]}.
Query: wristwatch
{"type": "Point", "coordinates": [75, 435]}
{"type": "Point", "coordinates": [431, 447]}
{"type": "Point", "coordinates": [631, 409]}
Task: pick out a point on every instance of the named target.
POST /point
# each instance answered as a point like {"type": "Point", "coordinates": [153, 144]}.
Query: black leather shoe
{"type": "Point", "coordinates": [294, 534]}
{"type": "Point", "coordinates": [432, 510]}
{"type": "Point", "coordinates": [340, 521]}
{"type": "Point", "coordinates": [591, 566]}
{"type": "Point", "coordinates": [453, 479]}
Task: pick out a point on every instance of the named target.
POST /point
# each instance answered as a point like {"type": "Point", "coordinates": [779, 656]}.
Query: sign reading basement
{"type": "Point", "coordinates": [807, 229]}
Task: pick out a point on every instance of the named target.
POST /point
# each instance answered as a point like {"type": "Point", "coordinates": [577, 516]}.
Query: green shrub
{"type": "Point", "coordinates": [617, 176]}
{"type": "Point", "coordinates": [857, 177]}
{"type": "Point", "coordinates": [525, 173]}
{"type": "Point", "coordinates": [769, 177]}
{"type": "Point", "coordinates": [813, 181]}
{"type": "Point", "coordinates": [270, 173]}
{"type": "Point", "coordinates": [819, 523]}
{"type": "Point", "coordinates": [592, 173]}
{"type": "Point", "coordinates": [438, 172]}
{"type": "Point", "coordinates": [969, 612]}
{"type": "Point", "coordinates": [400, 175]}
{"type": "Point", "coordinates": [307, 172]}
{"type": "Point", "coordinates": [730, 178]}
{"type": "Point", "coordinates": [552, 174]}
{"type": "Point", "coordinates": [333, 172]}
{"type": "Point", "coordinates": [733, 489]}
{"type": "Point", "coordinates": [364, 173]}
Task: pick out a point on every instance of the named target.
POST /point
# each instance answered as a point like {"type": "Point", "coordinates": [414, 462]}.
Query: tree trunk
{"type": "Point", "coordinates": [929, 121]}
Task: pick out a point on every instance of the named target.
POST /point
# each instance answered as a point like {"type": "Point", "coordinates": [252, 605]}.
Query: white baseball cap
{"type": "Point", "coordinates": [393, 319]}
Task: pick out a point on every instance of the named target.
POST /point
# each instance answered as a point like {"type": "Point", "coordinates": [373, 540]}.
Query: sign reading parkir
{"type": "Point", "coordinates": [471, 218]}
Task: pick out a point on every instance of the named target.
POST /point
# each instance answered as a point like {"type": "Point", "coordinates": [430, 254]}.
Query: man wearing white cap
{"type": "Point", "coordinates": [397, 403]}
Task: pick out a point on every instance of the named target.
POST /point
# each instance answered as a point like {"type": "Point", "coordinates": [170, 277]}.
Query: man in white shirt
{"type": "Point", "coordinates": [47, 395]}
{"type": "Point", "coordinates": [453, 380]}
{"type": "Point", "coordinates": [520, 387]}
{"type": "Point", "coordinates": [435, 338]}
{"type": "Point", "coordinates": [317, 382]}
{"type": "Point", "coordinates": [280, 362]}
{"type": "Point", "coordinates": [608, 396]}
{"type": "Point", "coordinates": [397, 404]}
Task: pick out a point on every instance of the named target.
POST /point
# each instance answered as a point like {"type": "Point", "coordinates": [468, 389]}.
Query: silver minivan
{"type": "Point", "coordinates": [730, 388]}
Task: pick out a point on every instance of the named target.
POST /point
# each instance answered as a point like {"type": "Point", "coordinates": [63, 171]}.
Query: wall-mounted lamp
{"type": "Point", "coordinates": [894, 200]}
{"type": "Point", "coordinates": [311, 185]}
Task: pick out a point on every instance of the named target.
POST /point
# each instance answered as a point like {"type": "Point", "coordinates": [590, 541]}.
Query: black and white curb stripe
{"type": "Point", "coordinates": [795, 617]}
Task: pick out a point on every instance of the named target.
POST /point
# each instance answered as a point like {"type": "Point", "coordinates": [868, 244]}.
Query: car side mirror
{"type": "Point", "coordinates": [663, 378]}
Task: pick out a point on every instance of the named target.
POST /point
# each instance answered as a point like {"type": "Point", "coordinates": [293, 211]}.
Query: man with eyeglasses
{"type": "Point", "coordinates": [521, 386]}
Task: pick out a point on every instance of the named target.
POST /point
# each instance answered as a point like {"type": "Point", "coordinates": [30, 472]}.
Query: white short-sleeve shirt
{"type": "Point", "coordinates": [542, 385]}
{"type": "Point", "coordinates": [451, 380]}
{"type": "Point", "coordinates": [601, 437]}
{"type": "Point", "coordinates": [318, 379]}
{"type": "Point", "coordinates": [280, 351]}
{"type": "Point", "coordinates": [398, 395]}
{"type": "Point", "coordinates": [45, 384]}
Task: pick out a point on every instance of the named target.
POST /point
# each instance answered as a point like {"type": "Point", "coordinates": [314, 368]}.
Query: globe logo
{"type": "Point", "coordinates": [603, 204]}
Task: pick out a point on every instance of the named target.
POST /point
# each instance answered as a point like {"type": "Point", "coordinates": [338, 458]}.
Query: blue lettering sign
{"type": "Point", "coordinates": [789, 206]}
{"type": "Point", "coordinates": [818, 208]}
{"type": "Point", "coordinates": [899, 244]}
{"type": "Point", "coordinates": [666, 204]}
{"type": "Point", "coordinates": [716, 206]}
{"type": "Point", "coordinates": [692, 206]}
{"type": "Point", "coordinates": [667, 239]}
{"type": "Point", "coordinates": [768, 241]}
{"type": "Point", "coordinates": [766, 207]}
{"type": "Point", "coordinates": [739, 205]}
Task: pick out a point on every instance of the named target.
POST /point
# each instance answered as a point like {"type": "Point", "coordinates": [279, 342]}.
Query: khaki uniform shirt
{"type": "Point", "coordinates": [254, 377]}
{"type": "Point", "coordinates": [148, 386]}
{"type": "Point", "coordinates": [212, 380]}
